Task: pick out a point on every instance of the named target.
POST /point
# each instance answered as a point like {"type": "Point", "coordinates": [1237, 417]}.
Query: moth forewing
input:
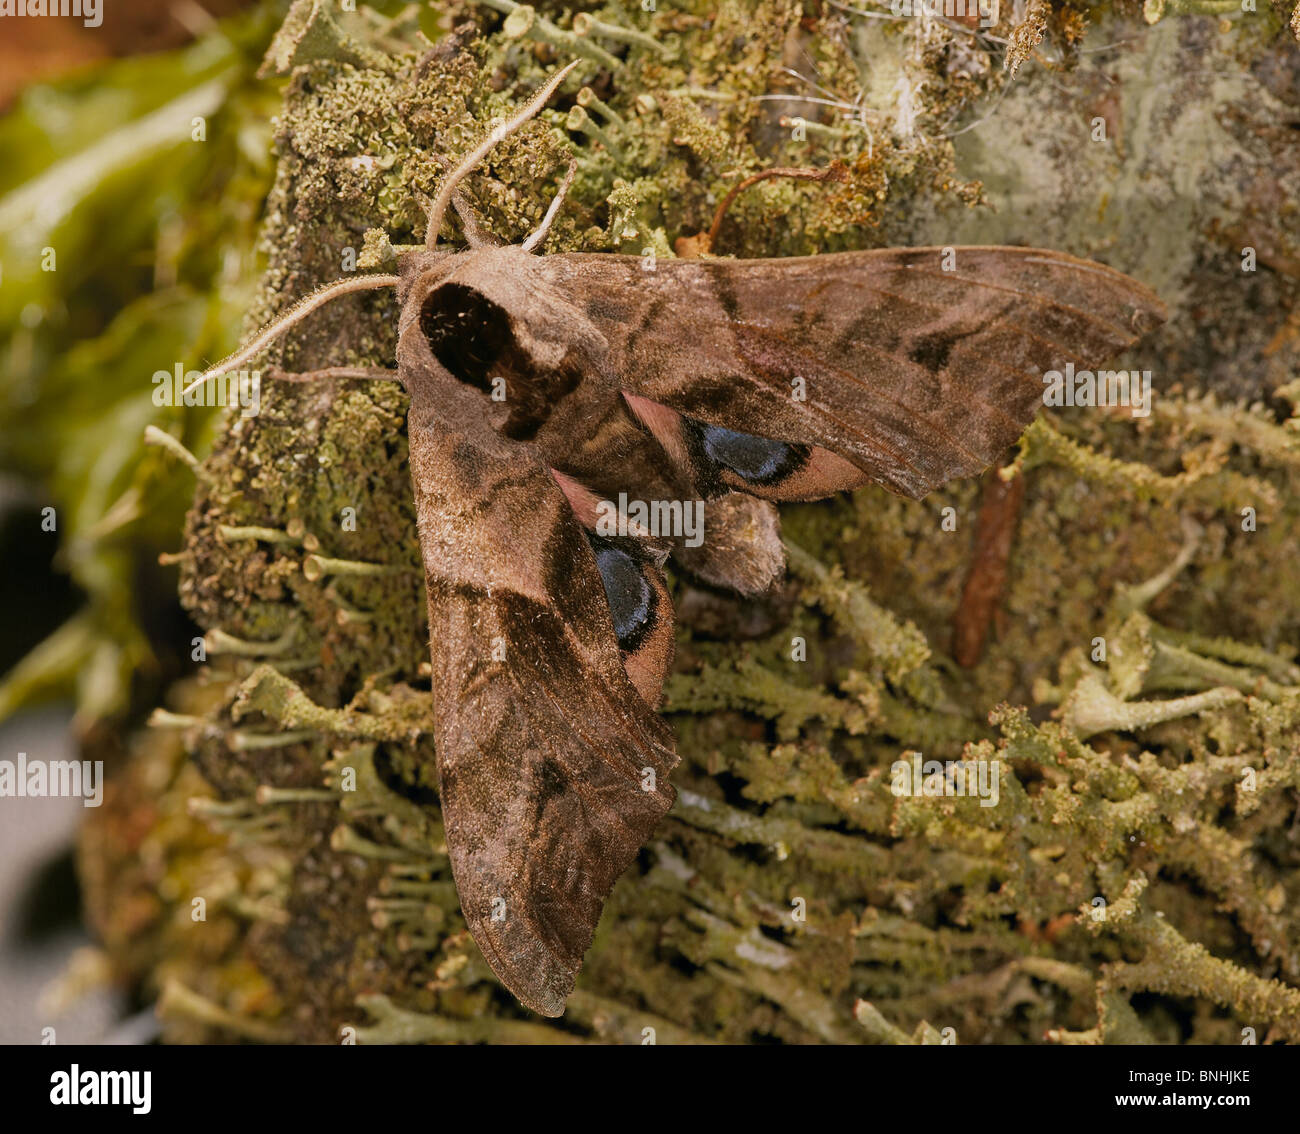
{"type": "Point", "coordinates": [911, 374]}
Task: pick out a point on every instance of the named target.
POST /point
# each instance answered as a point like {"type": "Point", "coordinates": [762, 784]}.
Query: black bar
{"type": "Point", "coordinates": [988, 1084]}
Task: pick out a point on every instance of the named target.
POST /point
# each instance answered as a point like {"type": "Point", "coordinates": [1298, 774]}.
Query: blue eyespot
{"type": "Point", "coordinates": [630, 597]}
{"type": "Point", "coordinates": [751, 458]}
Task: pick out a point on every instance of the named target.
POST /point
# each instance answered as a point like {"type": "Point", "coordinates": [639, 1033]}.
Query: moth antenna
{"type": "Point", "coordinates": [438, 209]}
{"type": "Point", "coordinates": [475, 237]}
{"type": "Point", "coordinates": [551, 213]}
{"type": "Point", "coordinates": [299, 311]}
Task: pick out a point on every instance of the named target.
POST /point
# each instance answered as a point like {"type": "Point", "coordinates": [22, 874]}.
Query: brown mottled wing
{"type": "Point", "coordinates": [913, 374]}
{"type": "Point", "coordinates": [545, 749]}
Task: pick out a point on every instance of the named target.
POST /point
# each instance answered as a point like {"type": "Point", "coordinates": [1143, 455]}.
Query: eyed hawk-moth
{"type": "Point", "coordinates": [741, 383]}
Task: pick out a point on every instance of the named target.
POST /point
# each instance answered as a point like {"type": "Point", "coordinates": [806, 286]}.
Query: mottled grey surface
{"type": "Point", "coordinates": [1196, 159]}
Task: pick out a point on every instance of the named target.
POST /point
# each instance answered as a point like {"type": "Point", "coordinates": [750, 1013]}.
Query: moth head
{"type": "Point", "coordinates": [486, 321]}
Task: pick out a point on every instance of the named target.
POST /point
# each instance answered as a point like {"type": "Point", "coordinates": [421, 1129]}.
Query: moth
{"type": "Point", "coordinates": [741, 383]}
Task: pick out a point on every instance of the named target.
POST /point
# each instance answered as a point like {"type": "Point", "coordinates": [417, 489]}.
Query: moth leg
{"type": "Point", "coordinates": [551, 213]}
{"type": "Point", "coordinates": [376, 373]}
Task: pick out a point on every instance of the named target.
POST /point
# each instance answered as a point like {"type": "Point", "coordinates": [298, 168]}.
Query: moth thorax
{"type": "Point", "coordinates": [476, 342]}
